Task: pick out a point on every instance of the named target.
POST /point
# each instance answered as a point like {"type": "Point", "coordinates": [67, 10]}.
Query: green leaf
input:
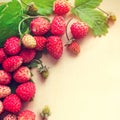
{"type": "Point", "coordinates": [87, 3]}
{"type": "Point", "coordinates": [95, 19]}
{"type": "Point", "coordinates": [10, 16]}
{"type": "Point", "coordinates": [45, 7]}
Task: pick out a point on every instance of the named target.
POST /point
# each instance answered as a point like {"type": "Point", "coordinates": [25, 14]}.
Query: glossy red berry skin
{"type": "Point", "coordinates": [39, 26]}
{"type": "Point", "coordinates": [40, 42]}
{"type": "Point", "coordinates": [61, 7]}
{"type": "Point", "coordinates": [12, 45]}
{"type": "Point", "coordinates": [12, 103]}
{"type": "Point", "coordinates": [26, 91]}
{"type": "Point", "coordinates": [79, 29]}
{"type": "Point", "coordinates": [3, 55]}
{"type": "Point", "coordinates": [12, 63]}
{"type": "Point", "coordinates": [58, 26]}
{"type": "Point", "coordinates": [1, 107]}
{"type": "Point", "coordinates": [54, 47]}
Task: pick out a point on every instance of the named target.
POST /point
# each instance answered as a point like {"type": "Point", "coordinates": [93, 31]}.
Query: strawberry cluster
{"type": "Point", "coordinates": [18, 53]}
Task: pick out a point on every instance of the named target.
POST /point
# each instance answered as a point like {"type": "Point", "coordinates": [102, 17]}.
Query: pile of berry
{"type": "Point", "coordinates": [19, 52]}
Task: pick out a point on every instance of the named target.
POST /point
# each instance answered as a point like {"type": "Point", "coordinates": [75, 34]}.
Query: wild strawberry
{"type": "Point", "coordinates": [27, 55]}
{"type": "Point", "coordinates": [5, 77]}
{"type": "Point", "coordinates": [2, 55]}
{"type": "Point", "coordinates": [58, 26]}
{"type": "Point", "coordinates": [22, 74]}
{"type": "Point", "coordinates": [28, 41]}
{"type": "Point", "coordinates": [40, 42]}
{"type": "Point", "coordinates": [1, 107]}
{"type": "Point", "coordinates": [10, 116]}
{"type": "Point", "coordinates": [39, 26]}
{"type": "Point", "coordinates": [12, 45]}
{"type": "Point", "coordinates": [61, 7]}
{"type": "Point", "coordinates": [79, 29]}
{"type": "Point", "coordinates": [26, 115]}
{"type": "Point", "coordinates": [74, 48]}
{"type": "Point", "coordinates": [12, 103]}
{"type": "Point", "coordinates": [54, 46]}
{"type": "Point", "coordinates": [4, 91]}
{"type": "Point", "coordinates": [12, 63]}
{"type": "Point", "coordinates": [26, 91]}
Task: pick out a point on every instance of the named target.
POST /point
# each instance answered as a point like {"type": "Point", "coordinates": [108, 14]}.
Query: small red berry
{"type": "Point", "coordinates": [79, 30]}
{"type": "Point", "coordinates": [27, 55]}
{"type": "Point", "coordinates": [12, 45]}
{"type": "Point", "coordinates": [26, 91]}
{"type": "Point", "coordinates": [58, 26]}
{"type": "Point", "coordinates": [4, 91]}
{"type": "Point", "coordinates": [39, 26]}
{"type": "Point", "coordinates": [40, 42]}
{"type": "Point", "coordinates": [54, 46]}
{"type": "Point", "coordinates": [22, 74]}
{"type": "Point", "coordinates": [28, 41]}
{"type": "Point", "coordinates": [5, 77]}
{"type": "Point", "coordinates": [73, 48]}
{"type": "Point", "coordinates": [10, 116]}
{"type": "Point", "coordinates": [12, 103]}
{"type": "Point", "coordinates": [2, 55]}
{"type": "Point", "coordinates": [12, 63]}
{"type": "Point", "coordinates": [61, 7]}
{"type": "Point", "coordinates": [26, 115]}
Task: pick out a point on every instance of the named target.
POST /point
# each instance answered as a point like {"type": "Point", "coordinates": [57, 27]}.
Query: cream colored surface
{"type": "Point", "coordinates": [86, 87]}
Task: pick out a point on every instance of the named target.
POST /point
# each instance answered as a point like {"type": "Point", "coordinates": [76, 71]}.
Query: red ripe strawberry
{"type": "Point", "coordinates": [1, 107]}
{"type": "Point", "coordinates": [2, 55]}
{"type": "Point", "coordinates": [12, 45]}
{"type": "Point", "coordinates": [40, 42]}
{"type": "Point", "coordinates": [39, 26]}
{"type": "Point", "coordinates": [27, 55]}
{"type": "Point", "coordinates": [74, 48]}
{"type": "Point", "coordinates": [26, 115]}
{"type": "Point", "coordinates": [10, 116]}
{"type": "Point", "coordinates": [54, 46]}
{"type": "Point", "coordinates": [58, 26]}
{"type": "Point", "coordinates": [5, 77]}
{"type": "Point", "coordinates": [61, 7]}
{"type": "Point", "coordinates": [12, 103]}
{"type": "Point", "coordinates": [79, 29]}
{"type": "Point", "coordinates": [12, 63]}
{"type": "Point", "coordinates": [28, 41]}
{"type": "Point", "coordinates": [26, 91]}
{"type": "Point", "coordinates": [4, 91]}
{"type": "Point", "coordinates": [22, 74]}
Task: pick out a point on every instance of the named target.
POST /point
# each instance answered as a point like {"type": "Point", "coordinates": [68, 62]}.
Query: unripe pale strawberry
{"type": "Point", "coordinates": [12, 45]}
{"type": "Point", "coordinates": [27, 55]}
{"type": "Point", "coordinates": [58, 26]}
{"type": "Point", "coordinates": [1, 107]}
{"type": "Point", "coordinates": [54, 46]}
{"type": "Point", "coordinates": [10, 116]}
{"type": "Point", "coordinates": [26, 91]}
{"type": "Point", "coordinates": [22, 74]}
{"type": "Point", "coordinates": [4, 91]}
{"type": "Point", "coordinates": [12, 63]}
{"type": "Point", "coordinates": [40, 42]}
{"type": "Point", "coordinates": [5, 77]}
{"type": "Point", "coordinates": [61, 7]}
{"type": "Point", "coordinates": [39, 26]}
{"type": "Point", "coordinates": [79, 29]}
{"type": "Point", "coordinates": [12, 103]}
{"type": "Point", "coordinates": [3, 55]}
{"type": "Point", "coordinates": [28, 41]}
{"type": "Point", "coordinates": [26, 115]}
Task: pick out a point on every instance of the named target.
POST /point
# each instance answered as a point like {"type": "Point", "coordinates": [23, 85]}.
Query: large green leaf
{"type": "Point", "coordinates": [45, 7]}
{"type": "Point", "coordinates": [95, 19]}
{"type": "Point", "coordinates": [10, 16]}
{"type": "Point", "coordinates": [87, 3]}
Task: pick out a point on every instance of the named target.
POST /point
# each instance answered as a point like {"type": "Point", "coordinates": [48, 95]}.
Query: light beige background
{"type": "Point", "coordinates": [86, 87]}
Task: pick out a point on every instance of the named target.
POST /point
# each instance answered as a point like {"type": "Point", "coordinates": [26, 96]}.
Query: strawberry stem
{"type": "Point", "coordinates": [24, 3]}
{"type": "Point", "coordinates": [103, 11]}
